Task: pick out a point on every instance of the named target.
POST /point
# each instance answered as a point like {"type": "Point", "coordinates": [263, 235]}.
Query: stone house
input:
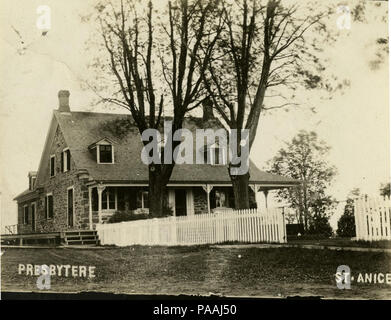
{"type": "Point", "coordinates": [91, 167]}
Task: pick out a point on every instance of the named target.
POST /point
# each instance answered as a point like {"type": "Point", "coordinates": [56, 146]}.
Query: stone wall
{"type": "Point", "coordinates": [58, 186]}
{"type": "Point", "coordinates": [200, 201]}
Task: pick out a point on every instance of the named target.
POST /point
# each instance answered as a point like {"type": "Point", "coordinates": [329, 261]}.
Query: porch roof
{"type": "Point", "coordinates": [26, 195]}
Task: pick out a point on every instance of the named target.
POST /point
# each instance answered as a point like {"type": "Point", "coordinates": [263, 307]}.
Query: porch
{"type": "Point", "coordinates": [182, 200]}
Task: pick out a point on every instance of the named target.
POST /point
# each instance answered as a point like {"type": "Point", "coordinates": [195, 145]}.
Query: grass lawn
{"type": "Point", "coordinates": [275, 272]}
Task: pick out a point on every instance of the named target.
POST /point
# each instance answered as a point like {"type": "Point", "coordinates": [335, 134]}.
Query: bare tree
{"type": "Point", "coordinates": [154, 67]}
{"type": "Point", "coordinates": [261, 50]}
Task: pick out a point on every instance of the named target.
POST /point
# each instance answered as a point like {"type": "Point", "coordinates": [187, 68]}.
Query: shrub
{"type": "Point", "coordinates": [320, 225]}
{"type": "Point", "coordinates": [346, 225]}
{"type": "Point", "coordinates": [120, 216]}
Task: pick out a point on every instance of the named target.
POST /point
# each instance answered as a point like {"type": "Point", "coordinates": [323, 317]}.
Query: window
{"type": "Point", "coordinates": [108, 199]}
{"type": "Point", "coordinates": [49, 206]}
{"type": "Point", "coordinates": [65, 160]}
{"type": "Point", "coordinates": [221, 199]}
{"type": "Point", "coordinates": [105, 154]}
{"type": "Point", "coordinates": [52, 165]}
{"type": "Point", "coordinates": [26, 214]}
{"type": "Point", "coordinates": [142, 199]}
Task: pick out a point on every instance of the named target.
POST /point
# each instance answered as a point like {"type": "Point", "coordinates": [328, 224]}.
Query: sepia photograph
{"type": "Point", "coordinates": [195, 149]}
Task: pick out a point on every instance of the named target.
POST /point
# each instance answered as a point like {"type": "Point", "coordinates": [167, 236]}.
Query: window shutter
{"type": "Point", "coordinates": [51, 206]}
{"type": "Point", "coordinates": [62, 161]}
{"type": "Point", "coordinates": [46, 207]}
{"type": "Point", "coordinates": [68, 160]}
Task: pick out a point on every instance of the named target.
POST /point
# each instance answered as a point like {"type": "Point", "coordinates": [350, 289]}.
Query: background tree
{"type": "Point", "coordinates": [304, 158]}
{"type": "Point", "coordinates": [346, 223]}
{"type": "Point", "coordinates": [263, 49]}
{"type": "Point", "coordinates": [151, 66]}
{"type": "Point", "coordinates": [385, 190]}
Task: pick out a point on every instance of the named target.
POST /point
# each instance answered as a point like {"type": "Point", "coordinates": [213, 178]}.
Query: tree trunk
{"type": "Point", "coordinates": [157, 188]}
{"type": "Point", "coordinates": [240, 188]}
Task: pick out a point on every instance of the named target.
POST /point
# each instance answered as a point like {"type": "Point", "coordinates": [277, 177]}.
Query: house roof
{"type": "Point", "coordinates": [82, 129]}
{"type": "Point", "coordinates": [26, 195]}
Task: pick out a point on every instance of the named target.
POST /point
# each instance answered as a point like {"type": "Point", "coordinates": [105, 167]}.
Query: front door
{"type": "Point", "coordinates": [70, 207]}
{"type": "Point", "coordinates": [33, 216]}
{"type": "Point", "coordinates": [180, 202]}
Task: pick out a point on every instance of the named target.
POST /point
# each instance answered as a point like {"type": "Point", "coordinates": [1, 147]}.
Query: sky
{"type": "Point", "coordinates": [355, 124]}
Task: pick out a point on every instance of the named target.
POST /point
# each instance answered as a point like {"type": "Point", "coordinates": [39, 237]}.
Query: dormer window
{"type": "Point", "coordinates": [105, 153]}
{"type": "Point", "coordinates": [65, 160]}
{"type": "Point", "coordinates": [32, 178]}
{"type": "Point", "coordinates": [215, 155]}
{"type": "Point", "coordinates": [103, 150]}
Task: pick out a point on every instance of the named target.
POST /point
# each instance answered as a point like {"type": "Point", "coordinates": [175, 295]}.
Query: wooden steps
{"type": "Point", "coordinates": [80, 237]}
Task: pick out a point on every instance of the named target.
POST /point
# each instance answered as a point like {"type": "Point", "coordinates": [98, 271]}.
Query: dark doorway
{"type": "Point", "coordinates": [180, 202]}
{"type": "Point", "coordinates": [33, 216]}
{"type": "Point", "coordinates": [70, 207]}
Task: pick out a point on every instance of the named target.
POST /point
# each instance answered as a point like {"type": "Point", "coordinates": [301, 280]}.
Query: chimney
{"type": "Point", "coordinates": [207, 107]}
{"type": "Point", "coordinates": [63, 101]}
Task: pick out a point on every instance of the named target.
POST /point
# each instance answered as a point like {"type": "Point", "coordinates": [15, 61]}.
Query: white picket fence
{"type": "Point", "coordinates": [233, 225]}
{"type": "Point", "coordinates": [373, 218]}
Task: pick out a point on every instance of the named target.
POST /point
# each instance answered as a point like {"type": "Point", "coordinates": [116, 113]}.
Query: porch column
{"type": "Point", "coordinates": [255, 189]}
{"type": "Point", "coordinates": [100, 189]}
{"type": "Point", "coordinates": [208, 188]}
{"type": "Point", "coordinates": [90, 207]}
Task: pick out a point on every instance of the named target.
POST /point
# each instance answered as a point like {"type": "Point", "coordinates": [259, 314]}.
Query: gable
{"type": "Point", "coordinates": [43, 168]}
{"type": "Point", "coordinates": [55, 144]}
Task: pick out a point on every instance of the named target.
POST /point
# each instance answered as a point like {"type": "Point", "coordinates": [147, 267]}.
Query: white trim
{"type": "Point", "coordinates": [73, 206]}
{"type": "Point", "coordinates": [50, 165]}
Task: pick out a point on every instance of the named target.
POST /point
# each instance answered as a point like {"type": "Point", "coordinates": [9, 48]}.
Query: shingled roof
{"type": "Point", "coordinates": [82, 129]}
